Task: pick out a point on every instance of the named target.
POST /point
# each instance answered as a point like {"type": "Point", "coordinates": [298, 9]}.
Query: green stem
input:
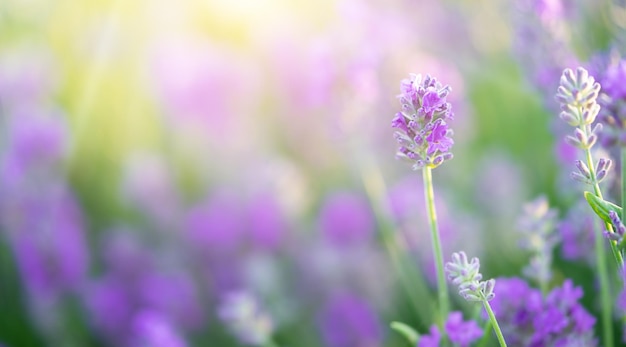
{"type": "Point", "coordinates": [623, 216]}
{"type": "Point", "coordinates": [494, 323]}
{"type": "Point", "coordinates": [605, 291]}
{"type": "Point", "coordinates": [442, 287]}
{"type": "Point", "coordinates": [605, 295]}
{"type": "Point", "coordinates": [598, 193]}
{"type": "Point", "coordinates": [270, 343]}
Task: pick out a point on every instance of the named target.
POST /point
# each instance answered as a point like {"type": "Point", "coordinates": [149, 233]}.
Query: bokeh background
{"type": "Point", "coordinates": [157, 155]}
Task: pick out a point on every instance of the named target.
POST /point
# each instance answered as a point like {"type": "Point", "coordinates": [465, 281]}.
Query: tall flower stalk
{"type": "Point", "coordinates": [577, 94]}
{"type": "Point", "coordinates": [425, 140]}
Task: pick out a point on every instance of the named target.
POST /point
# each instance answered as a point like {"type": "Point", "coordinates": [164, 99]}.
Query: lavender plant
{"type": "Point", "coordinates": [465, 274]}
{"type": "Point", "coordinates": [425, 140]}
{"type": "Point", "coordinates": [577, 94]}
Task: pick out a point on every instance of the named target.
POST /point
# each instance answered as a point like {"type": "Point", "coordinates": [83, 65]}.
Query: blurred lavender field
{"type": "Point", "coordinates": [211, 173]}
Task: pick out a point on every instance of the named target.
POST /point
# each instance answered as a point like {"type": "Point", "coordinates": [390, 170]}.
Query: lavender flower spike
{"type": "Point", "coordinates": [464, 273]}
{"type": "Point", "coordinates": [423, 134]}
{"type": "Point", "coordinates": [577, 95]}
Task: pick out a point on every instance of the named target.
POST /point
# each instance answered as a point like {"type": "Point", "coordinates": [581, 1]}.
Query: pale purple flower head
{"type": "Point", "coordinates": [349, 321]}
{"type": "Point", "coordinates": [465, 273]}
{"type": "Point", "coordinates": [423, 134]}
{"type": "Point", "coordinates": [577, 94]}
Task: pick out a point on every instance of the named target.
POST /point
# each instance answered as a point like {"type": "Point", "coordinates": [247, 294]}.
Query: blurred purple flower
{"type": "Point", "coordinates": [346, 219]}
{"type": "Point", "coordinates": [39, 213]}
{"type": "Point", "coordinates": [110, 306]}
{"type": "Point", "coordinates": [174, 294]}
{"type": "Point", "coordinates": [460, 332]}
{"type": "Point", "coordinates": [541, 43]}
{"type": "Point", "coordinates": [612, 100]}
{"type": "Point", "coordinates": [137, 276]}
{"type": "Point", "coordinates": [348, 321]}
{"type": "Point", "coordinates": [201, 85]}
{"type": "Point", "coordinates": [216, 226]}
{"type": "Point", "coordinates": [433, 339]}
{"type": "Point", "coordinates": [152, 329]}
{"type": "Point", "coordinates": [49, 244]}
{"type": "Point", "coordinates": [612, 82]}
{"type": "Point", "coordinates": [268, 224]}
{"type": "Point", "coordinates": [37, 142]}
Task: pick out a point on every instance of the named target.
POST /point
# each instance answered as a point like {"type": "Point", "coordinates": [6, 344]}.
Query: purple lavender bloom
{"type": "Point", "coordinates": [423, 135]}
{"type": "Point", "coordinates": [430, 340]}
{"type": "Point", "coordinates": [348, 321]}
{"type": "Point", "coordinates": [346, 219]}
{"type": "Point", "coordinates": [460, 332]}
{"type": "Point", "coordinates": [528, 319]}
